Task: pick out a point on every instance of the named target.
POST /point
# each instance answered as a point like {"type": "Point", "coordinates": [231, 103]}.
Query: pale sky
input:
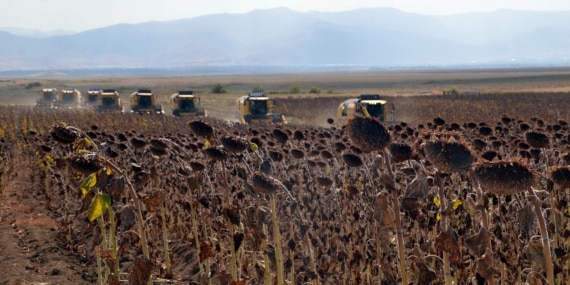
{"type": "Point", "coordinates": [80, 15]}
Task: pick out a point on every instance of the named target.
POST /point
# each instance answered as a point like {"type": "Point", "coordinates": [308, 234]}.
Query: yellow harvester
{"type": "Point", "coordinates": [47, 97]}
{"type": "Point", "coordinates": [109, 101]}
{"type": "Point", "coordinates": [67, 98]}
{"type": "Point", "coordinates": [91, 97]}
{"type": "Point", "coordinates": [185, 103]}
{"type": "Point", "coordinates": [257, 108]}
{"type": "Point", "coordinates": [367, 105]}
{"type": "Point", "coordinates": [144, 101]}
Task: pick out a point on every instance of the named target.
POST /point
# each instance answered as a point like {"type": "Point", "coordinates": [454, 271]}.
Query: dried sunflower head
{"type": "Point", "coordinates": [280, 135]}
{"type": "Point", "coordinates": [265, 184]}
{"type": "Point", "coordinates": [297, 153]}
{"type": "Point", "coordinates": [536, 139]}
{"type": "Point", "coordinates": [64, 135]}
{"type": "Point", "coordinates": [400, 152]}
{"type": "Point", "coordinates": [158, 144]}
{"type": "Point", "coordinates": [276, 155]}
{"type": "Point", "coordinates": [351, 190]}
{"type": "Point", "coordinates": [233, 144]}
{"type": "Point", "coordinates": [561, 175]}
{"type": "Point", "coordinates": [352, 160]}
{"type": "Point", "coordinates": [84, 165]}
{"type": "Point", "coordinates": [138, 143]}
{"type": "Point", "coordinates": [448, 155]}
{"type": "Point", "coordinates": [157, 151]}
{"type": "Point", "coordinates": [197, 166]}
{"type": "Point", "coordinates": [216, 154]}
{"type": "Point", "coordinates": [324, 181]}
{"type": "Point", "coordinates": [505, 177]}
{"type": "Point", "coordinates": [368, 133]}
{"type": "Point", "coordinates": [122, 137]}
{"type": "Point", "coordinates": [489, 155]}
{"type": "Point", "coordinates": [201, 129]}
{"type": "Point", "coordinates": [298, 135]}
{"type": "Point", "coordinates": [325, 154]}
{"type": "Point", "coordinates": [479, 144]}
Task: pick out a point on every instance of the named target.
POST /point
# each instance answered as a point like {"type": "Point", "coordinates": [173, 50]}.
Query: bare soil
{"type": "Point", "coordinates": [29, 249]}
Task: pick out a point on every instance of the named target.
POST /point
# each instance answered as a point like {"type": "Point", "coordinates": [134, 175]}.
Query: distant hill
{"type": "Point", "coordinates": [35, 33]}
{"type": "Point", "coordinates": [381, 37]}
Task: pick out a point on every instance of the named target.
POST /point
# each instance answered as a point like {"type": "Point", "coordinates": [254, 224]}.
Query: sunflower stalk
{"type": "Point", "coordinates": [113, 240]}
{"type": "Point", "coordinates": [167, 261]}
{"type": "Point", "coordinates": [277, 240]}
{"type": "Point", "coordinates": [444, 227]}
{"type": "Point", "coordinates": [196, 239]}
{"type": "Point", "coordinates": [104, 272]}
{"type": "Point", "coordinates": [138, 210]}
{"type": "Point", "coordinates": [233, 257]}
{"type": "Point", "coordinates": [544, 234]}
{"type": "Point", "coordinates": [397, 221]}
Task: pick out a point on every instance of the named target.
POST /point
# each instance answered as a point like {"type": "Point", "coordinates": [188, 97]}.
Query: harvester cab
{"type": "Point", "coordinates": [47, 97]}
{"type": "Point", "coordinates": [366, 105]}
{"type": "Point", "coordinates": [185, 103]}
{"type": "Point", "coordinates": [109, 101]}
{"type": "Point", "coordinates": [91, 96]}
{"type": "Point", "coordinates": [68, 98]}
{"type": "Point", "coordinates": [144, 101]}
{"type": "Point", "coordinates": [257, 108]}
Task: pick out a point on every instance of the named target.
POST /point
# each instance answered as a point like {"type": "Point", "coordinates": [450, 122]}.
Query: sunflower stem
{"type": "Point", "coordinates": [167, 261]}
{"type": "Point", "coordinates": [277, 238]}
{"type": "Point", "coordinates": [544, 234]}
{"type": "Point", "coordinates": [444, 227]}
{"type": "Point", "coordinates": [484, 218]}
{"type": "Point", "coordinates": [196, 239]}
{"type": "Point", "coordinates": [138, 213]}
{"type": "Point", "coordinates": [398, 222]}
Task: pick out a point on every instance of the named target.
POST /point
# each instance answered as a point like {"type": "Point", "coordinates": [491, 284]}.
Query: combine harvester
{"type": "Point", "coordinates": [91, 97]}
{"type": "Point", "coordinates": [47, 97]}
{"type": "Point", "coordinates": [366, 105]}
{"type": "Point", "coordinates": [109, 101]}
{"type": "Point", "coordinates": [144, 101]}
{"type": "Point", "coordinates": [256, 108]}
{"type": "Point", "coordinates": [185, 103]}
{"type": "Point", "coordinates": [68, 98]}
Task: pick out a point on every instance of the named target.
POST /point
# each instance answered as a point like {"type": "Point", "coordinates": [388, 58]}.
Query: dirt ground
{"type": "Point", "coordinates": [29, 249]}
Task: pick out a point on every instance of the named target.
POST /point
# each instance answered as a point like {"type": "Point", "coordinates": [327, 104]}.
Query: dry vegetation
{"type": "Point", "coordinates": [469, 190]}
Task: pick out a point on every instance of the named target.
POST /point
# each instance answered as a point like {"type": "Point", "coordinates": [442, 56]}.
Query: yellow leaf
{"type": "Point", "coordinates": [457, 203]}
{"type": "Point", "coordinates": [88, 183]}
{"type": "Point", "coordinates": [207, 144]}
{"type": "Point", "coordinates": [438, 217]}
{"type": "Point", "coordinates": [49, 158]}
{"type": "Point", "coordinates": [79, 145]}
{"type": "Point", "coordinates": [360, 185]}
{"type": "Point", "coordinates": [98, 206]}
{"type": "Point", "coordinates": [88, 143]}
{"type": "Point", "coordinates": [109, 171]}
{"type": "Point", "coordinates": [436, 201]}
{"type": "Point", "coordinates": [253, 147]}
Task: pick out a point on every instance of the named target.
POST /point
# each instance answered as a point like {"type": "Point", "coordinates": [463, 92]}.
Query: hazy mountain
{"type": "Point", "coordinates": [35, 33]}
{"type": "Point", "coordinates": [281, 37]}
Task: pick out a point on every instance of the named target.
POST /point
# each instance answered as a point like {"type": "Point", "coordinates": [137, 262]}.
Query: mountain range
{"type": "Point", "coordinates": [373, 37]}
